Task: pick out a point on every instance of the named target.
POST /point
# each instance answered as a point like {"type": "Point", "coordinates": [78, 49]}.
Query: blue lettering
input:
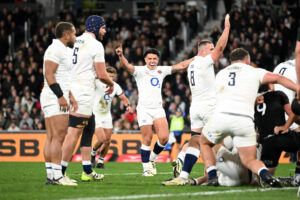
{"type": "Point", "coordinates": [155, 82]}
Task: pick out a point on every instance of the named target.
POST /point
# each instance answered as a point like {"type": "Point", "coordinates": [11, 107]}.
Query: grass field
{"type": "Point", "coordinates": [124, 181]}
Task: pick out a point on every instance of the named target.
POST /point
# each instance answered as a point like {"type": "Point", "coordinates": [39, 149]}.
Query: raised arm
{"type": "Point", "coordinates": [182, 66]}
{"type": "Point", "coordinates": [222, 42]}
{"type": "Point", "coordinates": [124, 62]}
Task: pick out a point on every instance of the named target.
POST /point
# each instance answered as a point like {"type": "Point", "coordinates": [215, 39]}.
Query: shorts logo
{"type": "Point", "coordinates": [83, 124]}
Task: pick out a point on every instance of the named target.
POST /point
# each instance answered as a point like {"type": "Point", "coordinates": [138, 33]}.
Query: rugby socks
{"type": "Point", "coordinates": [49, 171]}
{"type": "Point", "coordinates": [64, 166]}
{"type": "Point", "coordinates": [264, 173]}
{"type": "Point", "coordinates": [101, 160]}
{"type": "Point", "coordinates": [156, 150]}
{"type": "Point", "coordinates": [145, 153]}
{"type": "Point", "coordinates": [57, 172]}
{"type": "Point", "coordinates": [211, 172]}
{"type": "Point", "coordinates": [94, 152]}
{"type": "Point", "coordinates": [191, 157]}
{"type": "Point", "coordinates": [181, 156]}
{"type": "Point", "coordinates": [87, 166]}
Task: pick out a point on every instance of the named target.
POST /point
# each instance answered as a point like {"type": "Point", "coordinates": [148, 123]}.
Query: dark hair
{"type": "Point", "coordinates": [152, 51]}
{"type": "Point", "coordinates": [111, 70]}
{"type": "Point", "coordinates": [238, 54]}
{"type": "Point", "coordinates": [203, 43]}
{"type": "Point", "coordinates": [61, 27]}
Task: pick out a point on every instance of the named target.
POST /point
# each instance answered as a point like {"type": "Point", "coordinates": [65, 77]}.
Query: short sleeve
{"type": "Point", "coordinates": [166, 70]}
{"type": "Point", "coordinates": [52, 54]}
{"type": "Point", "coordinates": [118, 89]}
{"type": "Point", "coordinates": [208, 60]}
{"type": "Point", "coordinates": [99, 56]}
{"type": "Point", "coordinates": [137, 70]}
{"type": "Point", "coordinates": [261, 73]}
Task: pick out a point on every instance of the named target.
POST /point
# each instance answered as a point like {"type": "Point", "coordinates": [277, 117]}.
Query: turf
{"type": "Point", "coordinates": [124, 181]}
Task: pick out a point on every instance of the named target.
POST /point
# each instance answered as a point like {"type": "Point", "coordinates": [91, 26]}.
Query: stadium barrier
{"type": "Point", "coordinates": [27, 146]}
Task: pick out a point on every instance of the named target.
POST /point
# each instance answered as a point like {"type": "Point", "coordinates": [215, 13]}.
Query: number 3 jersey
{"type": "Point", "coordinates": [102, 103]}
{"type": "Point", "coordinates": [237, 87]}
{"type": "Point", "coordinates": [271, 113]}
{"type": "Point", "coordinates": [201, 76]}
{"type": "Point", "coordinates": [149, 83]}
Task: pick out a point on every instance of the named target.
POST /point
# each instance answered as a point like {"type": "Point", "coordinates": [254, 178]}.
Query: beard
{"type": "Point", "coordinates": [70, 44]}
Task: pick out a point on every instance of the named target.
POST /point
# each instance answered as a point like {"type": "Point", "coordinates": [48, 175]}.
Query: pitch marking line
{"type": "Point", "coordinates": [153, 196]}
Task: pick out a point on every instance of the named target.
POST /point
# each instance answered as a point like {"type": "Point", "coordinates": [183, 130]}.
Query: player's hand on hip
{"type": "Point", "coordinates": [109, 89]}
{"type": "Point", "coordinates": [74, 104]}
{"type": "Point", "coordinates": [227, 22]}
{"type": "Point", "coordinates": [63, 104]}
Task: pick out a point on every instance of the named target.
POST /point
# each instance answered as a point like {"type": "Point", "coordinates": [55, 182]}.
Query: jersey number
{"type": "Point", "coordinates": [192, 78]}
{"type": "Point", "coordinates": [282, 70]}
{"type": "Point", "coordinates": [231, 82]}
{"type": "Point", "coordinates": [75, 55]}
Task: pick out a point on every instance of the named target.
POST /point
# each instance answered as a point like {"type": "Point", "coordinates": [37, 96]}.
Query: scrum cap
{"type": "Point", "coordinates": [93, 23]}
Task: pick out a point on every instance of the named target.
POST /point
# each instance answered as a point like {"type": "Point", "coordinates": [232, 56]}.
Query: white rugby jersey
{"type": "Point", "coordinates": [149, 83]}
{"type": "Point", "coordinates": [102, 103]}
{"type": "Point", "coordinates": [201, 76]}
{"type": "Point", "coordinates": [288, 70]}
{"type": "Point", "coordinates": [237, 87]}
{"type": "Point", "coordinates": [57, 52]}
{"type": "Point", "coordinates": [87, 51]}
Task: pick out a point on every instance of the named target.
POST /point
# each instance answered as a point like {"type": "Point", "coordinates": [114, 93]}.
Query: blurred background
{"type": "Point", "coordinates": [266, 28]}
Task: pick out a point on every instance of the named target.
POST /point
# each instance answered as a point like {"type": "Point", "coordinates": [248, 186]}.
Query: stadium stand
{"type": "Point", "coordinates": [266, 30]}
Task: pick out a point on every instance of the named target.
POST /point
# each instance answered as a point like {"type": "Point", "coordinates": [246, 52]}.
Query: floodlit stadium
{"type": "Point", "coordinates": [149, 99]}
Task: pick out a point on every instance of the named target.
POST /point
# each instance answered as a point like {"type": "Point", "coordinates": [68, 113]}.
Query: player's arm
{"type": "Point", "coordinates": [125, 102]}
{"type": "Point", "coordinates": [182, 66]}
{"type": "Point", "coordinates": [102, 75]}
{"type": "Point", "coordinates": [124, 62]}
{"type": "Point", "coordinates": [297, 60]}
{"type": "Point", "coordinates": [73, 102]}
{"type": "Point", "coordinates": [279, 79]}
{"type": "Point", "coordinates": [222, 42]}
{"type": "Point", "coordinates": [289, 121]}
{"type": "Point", "coordinates": [50, 69]}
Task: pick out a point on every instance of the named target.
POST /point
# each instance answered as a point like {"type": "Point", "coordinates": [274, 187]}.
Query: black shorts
{"type": "Point", "coordinates": [88, 132]}
{"type": "Point", "coordinates": [273, 146]}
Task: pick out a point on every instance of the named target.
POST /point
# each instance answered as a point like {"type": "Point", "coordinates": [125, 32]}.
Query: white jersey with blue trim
{"type": "Point", "coordinates": [237, 86]}
{"type": "Point", "coordinates": [201, 76]}
{"type": "Point", "coordinates": [149, 83]}
{"type": "Point", "coordinates": [102, 103]}
{"type": "Point", "coordinates": [286, 69]}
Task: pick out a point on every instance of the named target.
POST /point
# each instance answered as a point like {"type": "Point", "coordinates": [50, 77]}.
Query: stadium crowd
{"type": "Point", "coordinates": [267, 33]}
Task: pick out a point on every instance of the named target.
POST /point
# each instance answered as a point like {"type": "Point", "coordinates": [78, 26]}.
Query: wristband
{"type": "Point", "coordinates": [56, 90]}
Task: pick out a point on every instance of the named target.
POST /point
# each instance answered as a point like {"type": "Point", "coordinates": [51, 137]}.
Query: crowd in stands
{"type": "Point", "coordinates": [268, 33]}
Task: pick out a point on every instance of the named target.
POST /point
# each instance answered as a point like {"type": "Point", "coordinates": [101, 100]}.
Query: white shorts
{"type": "Point", "coordinates": [240, 128]}
{"type": "Point", "coordinates": [103, 120]}
{"type": "Point", "coordinates": [231, 172]}
{"type": "Point", "coordinates": [84, 95]}
{"type": "Point", "coordinates": [146, 116]}
{"type": "Point", "coordinates": [200, 116]}
{"type": "Point", "coordinates": [49, 104]}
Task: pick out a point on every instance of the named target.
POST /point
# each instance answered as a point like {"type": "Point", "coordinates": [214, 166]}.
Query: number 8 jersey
{"type": "Point", "coordinates": [237, 86]}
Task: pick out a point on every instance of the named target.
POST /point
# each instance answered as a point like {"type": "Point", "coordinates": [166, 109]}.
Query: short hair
{"type": "Point", "coordinates": [202, 43]}
{"type": "Point", "coordinates": [111, 70]}
{"type": "Point", "coordinates": [238, 54]}
{"type": "Point", "coordinates": [61, 28]}
{"type": "Point", "coordinates": [152, 51]}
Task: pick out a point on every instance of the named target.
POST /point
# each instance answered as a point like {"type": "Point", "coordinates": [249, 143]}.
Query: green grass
{"type": "Point", "coordinates": [26, 181]}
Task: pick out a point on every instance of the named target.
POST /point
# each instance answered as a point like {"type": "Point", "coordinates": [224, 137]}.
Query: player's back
{"type": "Point", "coordinates": [201, 76]}
{"type": "Point", "coordinates": [288, 70]}
{"type": "Point", "coordinates": [86, 51]}
{"type": "Point", "coordinates": [237, 87]}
